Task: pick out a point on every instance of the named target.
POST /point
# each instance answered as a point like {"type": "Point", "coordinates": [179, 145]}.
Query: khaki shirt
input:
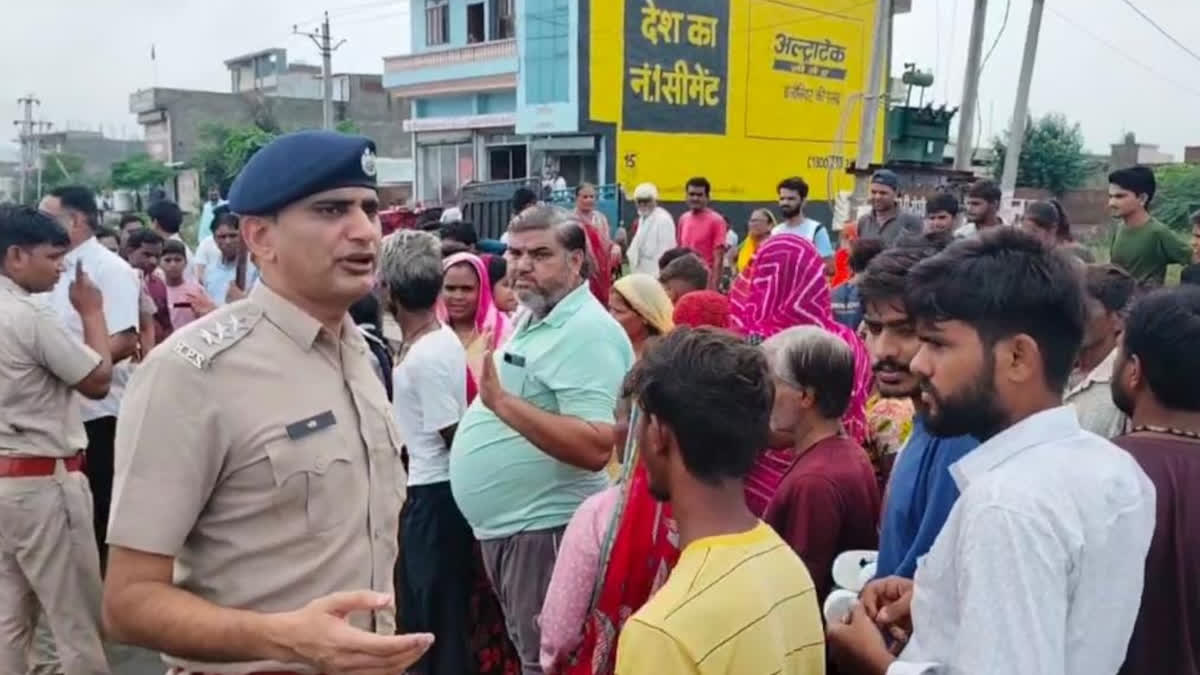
{"type": "Point", "coordinates": [40, 363]}
{"type": "Point", "coordinates": [260, 452]}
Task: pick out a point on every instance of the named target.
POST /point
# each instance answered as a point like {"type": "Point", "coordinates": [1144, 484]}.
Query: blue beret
{"type": "Point", "coordinates": [300, 164]}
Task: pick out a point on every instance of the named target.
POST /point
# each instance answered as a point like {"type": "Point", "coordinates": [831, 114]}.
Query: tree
{"type": "Point", "coordinates": [225, 149]}
{"type": "Point", "coordinates": [139, 171]}
{"type": "Point", "coordinates": [347, 127]}
{"type": "Point", "coordinates": [63, 168]}
{"type": "Point", "coordinates": [1052, 156]}
{"type": "Point", "coordinates": [1178, 194]}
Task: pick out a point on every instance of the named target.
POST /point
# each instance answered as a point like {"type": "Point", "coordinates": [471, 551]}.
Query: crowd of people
{"type": "Point", "coordinates": [304, 448]}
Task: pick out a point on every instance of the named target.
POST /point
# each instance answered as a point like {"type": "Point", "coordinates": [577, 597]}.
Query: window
{"type": "Point", "coordinates": [444, 170]}
{"type": "Point", "coordinates": [475, 23]}
{"type": "Point", "coordinates": [503, 14]}
{"type": "Point", "coordinates": [437, 22]}
{"type": "Point", "coordinates": [506, 162]}
{"type": "Point", "coordinates": [547, 54]}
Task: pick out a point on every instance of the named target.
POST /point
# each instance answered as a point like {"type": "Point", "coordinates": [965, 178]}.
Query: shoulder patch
{"type": "Point", "coordinates": [211, 337]}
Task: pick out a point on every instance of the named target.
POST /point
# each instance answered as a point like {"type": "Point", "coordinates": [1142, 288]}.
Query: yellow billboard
{"type": "Point", "coordinates": [743, 92]}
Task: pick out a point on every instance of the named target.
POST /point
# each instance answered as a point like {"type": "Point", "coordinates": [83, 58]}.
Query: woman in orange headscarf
{"type": "Point", "coordinates": [841, 260]}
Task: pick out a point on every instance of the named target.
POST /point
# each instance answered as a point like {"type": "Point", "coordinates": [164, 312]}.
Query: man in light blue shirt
{"type": "Point", "coordinates": [793, 192]}
{"type": "Point", "coordinates": [220, 277]}
{"type": "Point", "coordinates": [208, 214]}
{"type": "Point", "coordinates": [533, 445]}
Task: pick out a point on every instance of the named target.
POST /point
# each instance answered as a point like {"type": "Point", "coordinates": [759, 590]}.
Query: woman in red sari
{"type": "Point", "coordinates": [617, 550]}
{"type": "Point", "coordinates": [595, 225]}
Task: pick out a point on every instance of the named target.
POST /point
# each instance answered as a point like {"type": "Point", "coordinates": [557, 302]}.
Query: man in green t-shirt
{"type": "Point", "coordinates": [1143, 245]}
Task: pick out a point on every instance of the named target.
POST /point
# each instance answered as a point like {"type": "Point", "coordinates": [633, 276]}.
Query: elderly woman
{"type": "Point", "coordinates": [618, 546]}
{"type": "Point", "coordinates": [639, 303]}
{"type": "Point", "coordinates": [757, 230]}
{"type": "Point", "coordinates": [599, 243]}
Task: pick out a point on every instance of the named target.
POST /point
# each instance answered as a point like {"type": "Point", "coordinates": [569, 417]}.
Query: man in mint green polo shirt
{"type": "Point", "coordinates": [535, 442]}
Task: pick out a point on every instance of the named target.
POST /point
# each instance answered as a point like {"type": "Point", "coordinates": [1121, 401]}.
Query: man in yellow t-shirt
{"type": "Point", "coordinates": [739, 600]}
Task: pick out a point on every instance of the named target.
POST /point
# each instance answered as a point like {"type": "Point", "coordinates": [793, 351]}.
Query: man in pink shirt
{"type": "Point", "coordinates": [702, 229]}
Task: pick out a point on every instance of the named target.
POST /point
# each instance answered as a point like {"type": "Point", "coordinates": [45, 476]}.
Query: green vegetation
{"type": "Point", "coordinates": [1178, 195]}
{"type": "Point", "coordinates": [1052, 156]}
{"type": "Point", "coordinates": [139, 171]}
{"type": "Point", "coordinates": [224, 149]}
{"type": "Point", "coordinates": [63, 168]}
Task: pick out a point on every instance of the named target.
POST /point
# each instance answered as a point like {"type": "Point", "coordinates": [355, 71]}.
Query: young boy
{"type": "Point", "coordinates": [186, 298]}
{"type": "Point", "coordinates": [941, 212]}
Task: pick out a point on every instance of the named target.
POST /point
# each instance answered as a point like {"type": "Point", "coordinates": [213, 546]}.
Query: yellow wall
{"type": "Point", "coordinates": [778, 122]}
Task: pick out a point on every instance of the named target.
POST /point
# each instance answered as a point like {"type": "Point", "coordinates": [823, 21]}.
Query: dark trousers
{"type": "Point", "coordinates": [520, 568]}
{"type": "Point", "coordinates": [98, 465]}
{"type": "Point", "coordinates": [438, 551]}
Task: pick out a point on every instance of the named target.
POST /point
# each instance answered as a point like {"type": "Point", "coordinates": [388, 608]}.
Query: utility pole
{"type": "Point", "coordinates": [27, 140]}
{"type": "Point", "coordinates": [963, 149]}
{"type": "Point", "coordinates": [43, 128]}
{"type": "Point", "coordinates": [323, 40]}
{"type": "Point", "coordinates": [1016, 131]}
{"type": "Point", "coordinates": [871, 102]}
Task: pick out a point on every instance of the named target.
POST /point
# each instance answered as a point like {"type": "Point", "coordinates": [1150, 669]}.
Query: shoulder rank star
{"type": "Point", "coordinates": [222, 330]}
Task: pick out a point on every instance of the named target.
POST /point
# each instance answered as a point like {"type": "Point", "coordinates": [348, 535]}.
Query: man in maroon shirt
{"type": "Point", "coordinates": [143, 250]}
{"type": "Point", "coordinates": [828, 501]}
{"type": "Point", "coordinates": [1154, 383]}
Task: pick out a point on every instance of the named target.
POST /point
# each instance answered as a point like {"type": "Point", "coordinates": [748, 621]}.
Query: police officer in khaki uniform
{"type": "Point", "coordinates": [258, 480]}
{"type": "Point", "coordinates": [48, 555]}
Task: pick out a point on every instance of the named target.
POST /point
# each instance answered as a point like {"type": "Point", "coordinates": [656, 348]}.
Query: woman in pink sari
{"type": "Point", "coordinates": [785, 286]}
{"type": "Point", "coordinates": [467, 306]}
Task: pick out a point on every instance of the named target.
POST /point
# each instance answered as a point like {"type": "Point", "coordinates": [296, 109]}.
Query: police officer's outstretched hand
{"type": "Point", "coordinates": [320, 636]}
{"type": "Point", "coordinates": [84, 295]}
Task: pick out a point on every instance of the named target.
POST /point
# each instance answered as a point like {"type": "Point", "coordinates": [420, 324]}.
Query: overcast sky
{"type": "Point", "coordinates": [1098, 62]}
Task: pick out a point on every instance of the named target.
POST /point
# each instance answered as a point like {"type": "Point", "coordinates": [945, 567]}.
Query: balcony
{"type": "Point", "coordinates": [477, 67]}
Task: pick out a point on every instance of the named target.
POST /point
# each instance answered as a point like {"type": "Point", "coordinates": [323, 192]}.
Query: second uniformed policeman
{"type": "Point", "coordinates": [256, 497]}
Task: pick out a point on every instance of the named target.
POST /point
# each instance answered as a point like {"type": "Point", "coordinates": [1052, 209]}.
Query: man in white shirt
{"type": "Point", "coordinates": [1039, 568]}
{"type": "Point", "coordinates": [75, 208]}
{"type": "Point", "coordinates": [1110, 291]}
{"type": "Point", "coordinates": [429, 389]}
{"type": "Point", "coordinates": [655, 233]}
{"type": "Point", "coordinates": [793, 192]}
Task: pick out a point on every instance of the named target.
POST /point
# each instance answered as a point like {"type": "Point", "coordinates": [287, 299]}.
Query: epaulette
{"type": "Point", "coordinates": [208, 337]}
